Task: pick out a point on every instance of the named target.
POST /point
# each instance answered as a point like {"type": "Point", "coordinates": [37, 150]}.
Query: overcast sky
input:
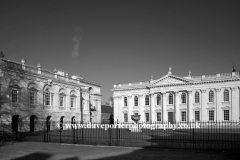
{"type": "Point", "coordinates": [112, 42]}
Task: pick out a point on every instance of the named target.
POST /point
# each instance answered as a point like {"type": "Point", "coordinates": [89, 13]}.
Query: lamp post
{"type": "Point", "coordinates": [81, 105]}
{"type": "Point", "coordinates": [90, 113]}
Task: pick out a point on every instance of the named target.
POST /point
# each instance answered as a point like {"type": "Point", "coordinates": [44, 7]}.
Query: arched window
{"type": "Point", "coordinates": [183, 98]}
{"type": "Point", "coordinates": [158, 99]}
{"type": "Point", "coordinates": [73, 99]}
{"type": "Point", "coordinates": [135, 101]}
{"type": "Point", "coordinates": [197, 97]}
{"type": "Point", "coordinates": [14, 90]}
{"type": "Point", "coordinates": [211, 96]}
{"type": "Point", "coordinates": [62, 98]}
{"type": "Point", "coordinates": [226, 95]}
{"type": "Point", "coordinates": [147, 100]}
{"type": "Point", "coordinates": [47, 97]}
{"type": "Point", "coordinates": [170, 98]}
{"type": "Point", "coordinates": [125, 102]}
{"type": "Point", "coordinates": [32, 93]}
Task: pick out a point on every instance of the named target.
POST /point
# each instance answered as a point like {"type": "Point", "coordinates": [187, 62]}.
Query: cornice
{"type": "Point", "coordinates": [42, 76]}
{"type": "Point", "coordinates": [179, 84]}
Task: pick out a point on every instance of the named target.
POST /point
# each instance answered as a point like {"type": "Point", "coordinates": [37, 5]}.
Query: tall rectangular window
{"type": "Point", "coordinates": [125, 115]}
{"type": "Point", "coordinates": [211, 115]}
{"type": "Point", "coordinates": [197, 97]}
{"type": "Point", "coordinates": [32, 97]}
{"type": "Point", "coordinates": [73, 101]}
{"type": "Point", "coordinates": [125, 102]}
{"type": "Point", "coordinates": [47, 98]}
{"type": "Point", "coordinates": [159, 117]}
{"type": "Point", "coordinates": [14, 95]}
{"type": "Point", "coordinates": [61, 99]}
{"type": "Point", "coordinates": [226, 115]}
{"type": "Point", "coordinates": [183, 116]}
{"type": "Point", "coordinates": [197, 115]}
{"type": "Point", "coordinates": [147, 117]}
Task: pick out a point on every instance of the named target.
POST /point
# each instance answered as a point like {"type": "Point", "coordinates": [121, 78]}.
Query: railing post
{"type": "Point", "coordinates": [193, 134]}
{"type": "Point", "coordinates": [44, 134]}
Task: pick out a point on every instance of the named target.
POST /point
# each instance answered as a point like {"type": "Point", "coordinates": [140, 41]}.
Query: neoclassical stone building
{"type": "Point", "coordinates": [33, 94]}
{"type": "Point", "coordinates": [180, 99]}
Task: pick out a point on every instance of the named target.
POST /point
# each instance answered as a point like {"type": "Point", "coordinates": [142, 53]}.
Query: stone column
{"type": "Point", "coordinates": [115, 110]}
{"type": "Point", "coordinates": [141, 107]}
{"type": "Point", "coordinates": [164, 106]}
{"type": "Point", "coordinates": [120, 106]}
{"type": "Point", "coordinates": [176, 106]}
{"type": "Point", "coordinates": [204, 101]}
{"type": "Point", "coordinates": [219, 99]}
{"type": "Point", "coordinates": [190, 106]}
{"type": "Point", "coordinates": [152, 107]}
{"type": "Point", "coordinates": [235, 104]}
{"type": "Point", "coordinates": [130, 107]}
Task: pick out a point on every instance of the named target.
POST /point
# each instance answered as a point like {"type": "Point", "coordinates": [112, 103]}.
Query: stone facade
{"type": "Point", "coordinates": [180, 99]}
{"type": "Point", "coordinates": [32, 93]}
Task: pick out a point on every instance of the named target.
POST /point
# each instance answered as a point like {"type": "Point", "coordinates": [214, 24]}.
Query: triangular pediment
{"type": "Point", "coordinates": [169, 79]}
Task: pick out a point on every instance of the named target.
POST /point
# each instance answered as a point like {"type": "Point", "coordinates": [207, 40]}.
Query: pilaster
{"type": "Point", "coordinates": [141, 107]}
{"type": "Point", "coordinates": [190, 106]}
{"type": "Point", "coordinates": [152, 107]}
{"type": "Point", "coordinates": [235, 112]}
{"type": "Point", "coordinates": [203, 105]}
{"type": "Point", "coordinates": [219, 99]}
{"type": "Point", "coordinates": [176, 104]}
{"type": "Point", "coordinates": [164, 105]}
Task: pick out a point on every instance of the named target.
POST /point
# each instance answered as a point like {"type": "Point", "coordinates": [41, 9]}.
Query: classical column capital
{"type": "Point", "coordinates": [203, 90]}
{"type": "Point", "coordinates": [234, 88]}
{"type": "Point", "coordinates": [217, 89]}
{"type": "Point", "coordinates": [176, 92]}
{"type": "Point", "coordinates": [151, 94]}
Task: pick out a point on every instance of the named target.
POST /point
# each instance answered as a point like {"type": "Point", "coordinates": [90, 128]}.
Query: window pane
{"type": "Point", "coordinates": [125, 101]}
{"type": "Point", "coordinates": [183, 97]}
{"type": "Point", "coordinates": [73, 101]}
{"type": "Point", "coordinates": [196, 97]}
{"type": "Point", "coordinates": [159, 116]}
{"type": "Point", "coordinates": [146, 100]}
{"type": "Point", "coordinates": [125, 117]}
{"type": "Point", "coordinates": [47, 98]}
{"type": "Point", "coordinates": [211, 96]}
{"type": "Point", "coordinates": [147, 117]}
{"type": "Point", "coordinates": [14, 95]}
{"type": "Point", "coordinates": [211, 115]}
{"type": "Point", "coordinates": [158, 99]}
{"type": "Point", "coordinates": [183, 115]}
{"type": "Point", "coordinates": [135, 101]}
{"type": "Point", "coordinates": [32, 97]}
{"type": "Point", "coordinates": [197, 115]}
{"type": "Point", "coordinates": [170, 98]}
{"type": "Point", "coordinates": [226, 95]}
{"type": "Point", "coordinates": [226, 115]}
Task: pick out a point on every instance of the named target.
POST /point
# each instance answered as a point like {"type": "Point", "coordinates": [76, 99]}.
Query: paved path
{"type": "Point", "coordinates": [49, 151]}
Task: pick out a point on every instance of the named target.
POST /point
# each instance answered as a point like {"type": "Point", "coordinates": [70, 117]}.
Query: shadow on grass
{"type": "Point", "coordinates": [35, 156]}
{"type": "Point", "coordinates": [41, 156]}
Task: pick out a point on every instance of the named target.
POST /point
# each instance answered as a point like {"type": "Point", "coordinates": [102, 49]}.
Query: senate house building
{"type": "Point", "coordinates": [180, 99]}
{"type": "Point", "coordinates": [33, 94]}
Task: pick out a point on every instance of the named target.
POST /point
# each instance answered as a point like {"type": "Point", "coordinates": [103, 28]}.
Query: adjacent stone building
{"type": "Point", "coordinates": [33, 94]}
{"type": "Point", "coordinates": [180, 99]}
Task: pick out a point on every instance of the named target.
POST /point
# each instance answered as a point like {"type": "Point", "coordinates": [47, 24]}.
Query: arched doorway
{"type": "Point", "coordinates": [15, 123]}
{"type": "Point", "coordinates": [48, 123]}
{"type": "Point", "coordinates": [33, 119]}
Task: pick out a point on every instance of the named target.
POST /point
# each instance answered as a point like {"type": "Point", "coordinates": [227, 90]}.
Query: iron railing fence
{"type": "Point", "coordinates": [181, 135]}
